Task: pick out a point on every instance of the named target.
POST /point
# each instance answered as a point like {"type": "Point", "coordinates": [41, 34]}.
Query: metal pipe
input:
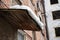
{"type": "Point", "coordinates": [33, 35]}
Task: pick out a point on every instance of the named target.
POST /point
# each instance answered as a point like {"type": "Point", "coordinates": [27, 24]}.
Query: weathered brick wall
{"type": "Point", "coordinates": [7, 2]}
{"type": "Point", "coordinates": [13, 3]}
{"type": "Point", "coordinates": [7, 32]}
{"type": "Point", "coordinates": [28, 3]}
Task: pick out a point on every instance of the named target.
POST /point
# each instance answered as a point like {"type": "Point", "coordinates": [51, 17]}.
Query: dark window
{"type": "Point", "coordinates": [38, 6]}
{"type": "Point", "coordinates": [53, 1]}
{"type": "Point", "coordinates": [40, 18]}
{"type": "Point", "coordinates": [57, 31]}
{"type": "Point", "coordinates": [56, 14]}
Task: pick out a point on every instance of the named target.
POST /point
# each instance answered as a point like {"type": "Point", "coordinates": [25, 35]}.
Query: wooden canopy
{"type": "Point", "coordinates": [19, 18]}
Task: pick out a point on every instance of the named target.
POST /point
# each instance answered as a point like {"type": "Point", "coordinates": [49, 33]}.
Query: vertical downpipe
{"type": "Point", "coordinates": [33, 35]}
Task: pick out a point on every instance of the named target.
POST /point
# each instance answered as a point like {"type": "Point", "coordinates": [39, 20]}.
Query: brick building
{"type": "Point", "coordinates": [30, 32]}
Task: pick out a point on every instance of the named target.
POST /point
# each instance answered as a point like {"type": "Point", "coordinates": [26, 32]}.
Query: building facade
{"type": "Point", "coordinates": [37, 7]}
{"type": "Point", "coordinates": [52, 12]}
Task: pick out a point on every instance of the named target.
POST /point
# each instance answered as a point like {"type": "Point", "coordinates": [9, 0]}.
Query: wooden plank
{"type": "Point", "coordinates": [19, 18]}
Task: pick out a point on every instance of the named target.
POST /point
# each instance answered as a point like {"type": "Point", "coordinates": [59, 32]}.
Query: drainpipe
{"type": "Point", "coordinates": [31, 13]}
{"type": "Point", "coordinates": [33, 35]}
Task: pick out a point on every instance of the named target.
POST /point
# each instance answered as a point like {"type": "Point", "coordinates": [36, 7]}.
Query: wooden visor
{"type": "Point", "coordinates": [19, 18]}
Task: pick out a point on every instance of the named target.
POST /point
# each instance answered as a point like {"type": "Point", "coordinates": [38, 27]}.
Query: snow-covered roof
{"type": "Point", "coordinates": [31, 13]}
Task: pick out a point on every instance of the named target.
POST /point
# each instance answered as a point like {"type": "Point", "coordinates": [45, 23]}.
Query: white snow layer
{"type": "Point", "coordinates": [31, 13]}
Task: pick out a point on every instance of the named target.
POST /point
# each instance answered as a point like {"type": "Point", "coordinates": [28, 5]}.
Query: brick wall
{"type": "Point", "coordinates": [7, 2]}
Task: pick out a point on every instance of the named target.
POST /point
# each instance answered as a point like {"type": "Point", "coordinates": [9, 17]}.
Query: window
{"type": "Point", "coordinates": [56, 14]}
{"type": "Point", "coordinates": [53, 1]}
{"type": "Point", "coordinates": [57, 31]}
{"type": "Point", "coordinates": [20, 35]}
{"type": "Point", "coordinates": [40, 18]}
{"type": "Point", "coordinates": [38, 6]}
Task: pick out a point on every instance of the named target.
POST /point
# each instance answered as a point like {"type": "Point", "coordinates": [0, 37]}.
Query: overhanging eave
{"type": "Point", "coordinates": [21, 18]}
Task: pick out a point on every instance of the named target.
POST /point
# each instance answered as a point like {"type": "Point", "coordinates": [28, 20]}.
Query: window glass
{"type": "Point", "coordinates": [56, 14]}
{"type": "Point", "coordinates": [20, 36]}
{"type": "Point", "coordinates": [57, 31]}
{"type": "Point", "coordinates": [53, 1]}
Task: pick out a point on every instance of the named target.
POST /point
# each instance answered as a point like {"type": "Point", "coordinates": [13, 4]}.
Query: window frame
{"type": "Point", "coordinates": [22, 32]}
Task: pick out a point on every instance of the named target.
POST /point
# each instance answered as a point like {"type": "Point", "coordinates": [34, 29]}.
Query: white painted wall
{"type": "Point", "coordinates": [51, 24]}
